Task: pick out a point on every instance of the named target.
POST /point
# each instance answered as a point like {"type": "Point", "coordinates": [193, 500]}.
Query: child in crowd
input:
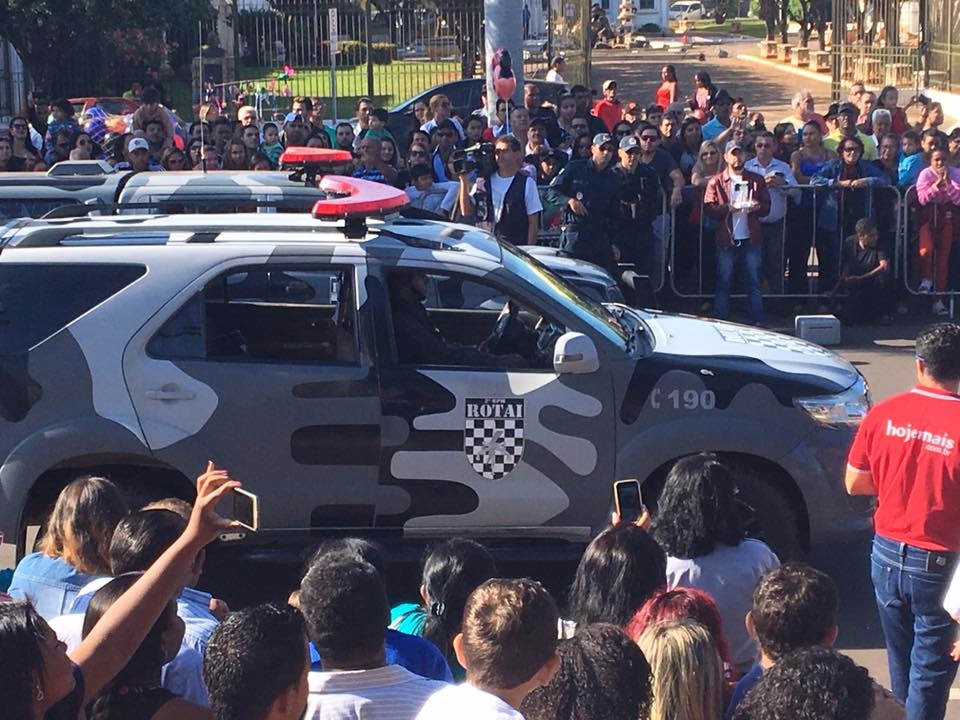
{"type": "Point", "coordinates": [451, 571]}
{"type": "Point", "coordinates": [509, 648]}
{"type": "Point", "coordinates": [603, 676]}
{"type": "Point", "coordinates": [271, 145]}
{"type": "Point", "coordinates": [795, 606]}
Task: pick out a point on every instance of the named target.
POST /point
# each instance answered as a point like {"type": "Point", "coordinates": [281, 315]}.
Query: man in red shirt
{"type": "Point", "coordinates": [907, 453]}
{"type": "Point", "coordinates": [609, 110]}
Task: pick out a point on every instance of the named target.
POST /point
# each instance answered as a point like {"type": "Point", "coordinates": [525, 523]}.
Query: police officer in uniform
{"type": "Point", "coordinates": [419, 341]}
{"type": "Point", "coordinates": [907, 454]}
{"type": "Point", "coordinates": [588, 191]}
{"type": "Point", "coordinates": [639, 202]}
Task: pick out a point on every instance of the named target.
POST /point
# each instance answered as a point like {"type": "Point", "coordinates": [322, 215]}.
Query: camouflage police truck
{"type": "Point", "coordinates": [139, 347]}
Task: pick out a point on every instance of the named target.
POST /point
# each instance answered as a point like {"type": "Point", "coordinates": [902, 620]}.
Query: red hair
{"type": "Point", "coordinates": [679, 604]}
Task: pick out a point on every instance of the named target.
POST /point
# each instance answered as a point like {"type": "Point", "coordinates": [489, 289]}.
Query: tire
{"type": "Point", "coordinates": [768, 513]}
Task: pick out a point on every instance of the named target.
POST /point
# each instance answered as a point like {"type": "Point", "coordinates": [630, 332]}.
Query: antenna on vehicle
{"type": "Point", "coordinates": [203, 160]}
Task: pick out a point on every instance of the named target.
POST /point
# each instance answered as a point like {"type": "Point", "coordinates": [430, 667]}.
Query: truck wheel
{"type": "Point", "coordinates": [768, 514]}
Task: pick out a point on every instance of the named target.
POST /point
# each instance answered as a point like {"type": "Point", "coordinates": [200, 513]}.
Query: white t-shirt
{"type": "Point", "coordinates": [465, 702]}
{"type": "Point", "coordinates": [439, 198]}
{"type": "Point", "coordinates": [554, 76]}
{"type": "Point", "coordinates": [390, 692]}
{"type": "Point", "coordinates": [498, 190]}
{"type": "Point", "coordinates": [741, 226]}
{"type": "Point", "coordinates": [729, 575]}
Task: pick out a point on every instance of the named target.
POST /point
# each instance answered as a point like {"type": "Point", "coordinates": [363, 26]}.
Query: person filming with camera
{"type": "Point", "coordinates": [506, 201]}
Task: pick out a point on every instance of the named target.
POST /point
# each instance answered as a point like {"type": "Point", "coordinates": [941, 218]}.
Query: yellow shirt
{"type": "Point", "coordinates": [832, 142]}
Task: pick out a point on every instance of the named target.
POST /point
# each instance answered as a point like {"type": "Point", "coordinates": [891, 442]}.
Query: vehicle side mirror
{"type": "Point", "coordinates": [575, 354]}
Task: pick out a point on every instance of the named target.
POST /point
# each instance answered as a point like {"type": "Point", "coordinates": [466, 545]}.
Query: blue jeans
{"type": "Point", "coordinates": [727, 260]}
{"type": "Point", "coordinates": [918, 631]}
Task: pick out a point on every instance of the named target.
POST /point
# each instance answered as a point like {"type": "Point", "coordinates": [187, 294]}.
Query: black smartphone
{"type": "Point", "coordinates": [246, 509]}
{"type": "Point", "coordinates": [627, 500]}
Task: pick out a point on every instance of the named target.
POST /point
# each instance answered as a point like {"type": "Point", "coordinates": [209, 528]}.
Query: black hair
{"type": "Point", "coordinates": [142, 537]}
{"type": "Point", "coordinates": [444, 125]}
{"type": "Point", "coordinates": [269, 125]}
{"type": "Point", "coordinates": [935, 134]}
{"type": "Point", "coordinates": [150, 95]}
{"type": "Point", "coordinates": [420, 170]}
{"type": "Point", "coordinates": [451, 571]}
{"type": "Point", "coordinates": [939, 347]}
{"type": "Point", "coordinates": [21, 660]}
{"type": "Point", "coordinates": [64, 106]}
{"type": "Point", "coordinates": [252, 657]}
{"type": "Point", "coordinates": [360, 548]}
{"type": "Point", "coordinates": [344, 602]}
{"type": "Point", "coordinates": [852, 139]}
{"type": "Point", "coordinates": [342, 124]}
{"type": "Point", "coordinates": [865, 225]}
{"type": "Point", "coordinates": [380, 114]}
{"type": "Point", "coordinates": [794, 606]}
{"type": "Point", "coordinates": [149, 656]}
{"type": "Point", "coordinates": [603, 675]}
{"type": "Point", "coordinates": [814, 683]}
{"type": "Point", "coordinates": [697, 508]}
{"type": "Point", "coordinates": [152, 121]}
{"type": "Point", "coordinates": [911, 135]}
{"type": "Point", "coordinates": [619, 570]}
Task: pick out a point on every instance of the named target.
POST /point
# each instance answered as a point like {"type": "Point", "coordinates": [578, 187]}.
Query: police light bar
{"type": "Point", "coordinates": [300, 156]}
{"type": "Point", "coordinates": [351, 197]}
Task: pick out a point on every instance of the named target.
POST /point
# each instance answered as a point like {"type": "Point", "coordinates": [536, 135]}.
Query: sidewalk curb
{"type": "Point", "coordinates": [799, 72]}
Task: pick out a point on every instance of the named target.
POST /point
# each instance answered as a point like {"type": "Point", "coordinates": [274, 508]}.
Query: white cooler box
{"type": "Point", "coordinates": [819, 329]}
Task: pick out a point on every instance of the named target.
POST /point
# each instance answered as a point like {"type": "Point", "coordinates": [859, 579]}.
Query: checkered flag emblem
{"type": "Point", "coordinates": [493, 435]}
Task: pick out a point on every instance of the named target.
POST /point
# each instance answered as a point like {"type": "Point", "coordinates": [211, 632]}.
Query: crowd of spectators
{"type": "Point", "coordinates": [693, 184]}
{"type": "Point", "coordinates": [678, 617]}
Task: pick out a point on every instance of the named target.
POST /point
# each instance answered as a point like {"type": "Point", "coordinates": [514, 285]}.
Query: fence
{"type": "Point", "coordinates": [388, 54]}
{"type": "Point", "coordinates": [688, 257]}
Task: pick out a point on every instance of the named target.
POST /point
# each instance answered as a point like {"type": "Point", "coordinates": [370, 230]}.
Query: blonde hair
{"type": "Point", "coordinates": [687, 671]}
{"type": "Point", "coordinates": [699, 167]}
{"type": "Point", "coordinates": [82, 523]}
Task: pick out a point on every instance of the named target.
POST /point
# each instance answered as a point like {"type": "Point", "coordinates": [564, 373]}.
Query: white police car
{"type": "Point", "coordinates": [142, 346]}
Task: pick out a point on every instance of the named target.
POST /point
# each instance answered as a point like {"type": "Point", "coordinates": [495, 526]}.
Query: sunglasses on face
{"type": "Point", "coordinates": [650, 138]}
{"type": "Point", "coordinates": [416, 153]}
{"type": "Point", "coordinates": [19, 126]}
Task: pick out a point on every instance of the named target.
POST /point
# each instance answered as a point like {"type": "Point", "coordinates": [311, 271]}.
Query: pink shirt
{"type": "Point", "coordinates": [928, 192]}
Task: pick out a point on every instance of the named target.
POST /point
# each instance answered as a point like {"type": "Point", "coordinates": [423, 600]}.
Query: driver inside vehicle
{"type": "Point", "coordinates": [420, 341]}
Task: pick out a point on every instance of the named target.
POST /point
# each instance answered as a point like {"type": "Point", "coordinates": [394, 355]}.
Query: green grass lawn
{"type": "Point", "coordinates": [748, 26]}
{"type": "Point", "coordinates": [392, 84]}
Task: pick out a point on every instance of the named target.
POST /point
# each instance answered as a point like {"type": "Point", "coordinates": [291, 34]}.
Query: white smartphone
{"type": "Point", "coordinates": [246, 509]}
{"type": "Point", "coordinates": [627, 500]}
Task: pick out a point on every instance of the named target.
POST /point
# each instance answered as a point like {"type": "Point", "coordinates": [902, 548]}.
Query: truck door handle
{"type": "Point", "coordinates": [168, 393]}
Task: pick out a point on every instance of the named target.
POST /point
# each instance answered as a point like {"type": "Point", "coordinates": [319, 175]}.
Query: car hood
{"type": "Point", "coordinates": [696, 337]}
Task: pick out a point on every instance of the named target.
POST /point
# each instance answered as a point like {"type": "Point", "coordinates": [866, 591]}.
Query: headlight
{"type": "Point", "coordinates": [844, 409]}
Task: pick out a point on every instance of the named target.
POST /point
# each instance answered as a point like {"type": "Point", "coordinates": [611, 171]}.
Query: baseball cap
{"type": "Point", "coordinates": [733, 145]}
{"type": "Point", "coordinates": [848, 108]}
{"type": "Point", "coordinates": [293, 117]}
{"type": "Point", "coordinates": [607, 84]}
{"type": "Point", "coordinates": [602, 139]}
{"type": "Point", "coordinates": [629, 142]}
{"type": "Point", "coordinates": [558, 59]}
{"type": "Point", "coordinates": [138, 144]}
{"type": "Point", "coordinates": [832, 111]}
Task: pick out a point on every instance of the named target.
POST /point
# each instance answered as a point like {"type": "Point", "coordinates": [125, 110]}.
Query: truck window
{"type": "Point", "coordinates": [275, 314]}
{"type": "Point", "coordinates": [37, 300]}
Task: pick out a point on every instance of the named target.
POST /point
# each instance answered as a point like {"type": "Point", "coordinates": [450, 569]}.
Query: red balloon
{"type": "Point", "coordinates": [505, 87]}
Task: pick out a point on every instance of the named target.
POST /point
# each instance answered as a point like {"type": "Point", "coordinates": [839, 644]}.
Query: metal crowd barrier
{"type": "Point", "coordinates": [915, 220]}
{"type": "Point", "coordinates": [693, 245]}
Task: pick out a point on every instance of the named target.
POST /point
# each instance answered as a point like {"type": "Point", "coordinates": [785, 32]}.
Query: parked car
{"type": "Point", "coordinates": [686, 11]}
{"type": "Point", "coordinates": [464, 96]}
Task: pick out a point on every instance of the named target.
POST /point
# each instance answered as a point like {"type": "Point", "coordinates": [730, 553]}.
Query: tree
{"type": "Point", "coordinates": [57, 39]}
{"type": "Point", "coordinates": [811, 15]}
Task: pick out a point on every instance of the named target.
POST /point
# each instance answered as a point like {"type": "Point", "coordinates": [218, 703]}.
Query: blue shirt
{"type": "Point", "coordinates": [49, 583]}
{"type": "Point", "coordinates": [910, 167]}
{"type": "Point", "coordinates": [744, 686]}
{"type": "Point", "coordinates": [712, 129]}
{"type": "Point", "coordinates": [414, 653]}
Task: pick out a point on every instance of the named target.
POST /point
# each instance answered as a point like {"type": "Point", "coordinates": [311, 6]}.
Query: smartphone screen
{"type": "Point", "coordinates": [627, 499]}
{"type": "Point", "coordinates": [246, 509]}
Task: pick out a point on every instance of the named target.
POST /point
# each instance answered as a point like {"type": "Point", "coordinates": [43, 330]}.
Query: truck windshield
{"type": "Point", "coordinates": [592, 313]}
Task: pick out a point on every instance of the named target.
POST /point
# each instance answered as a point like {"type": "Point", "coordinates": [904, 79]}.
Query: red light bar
{"type": "Point", "coordinates": [363, 197]}
{"type": "Point", "coordinates": [314, 156]}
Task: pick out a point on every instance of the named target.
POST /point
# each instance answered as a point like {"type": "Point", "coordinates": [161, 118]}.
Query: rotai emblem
{"type": "Point", "coordinates": [493, 435]}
